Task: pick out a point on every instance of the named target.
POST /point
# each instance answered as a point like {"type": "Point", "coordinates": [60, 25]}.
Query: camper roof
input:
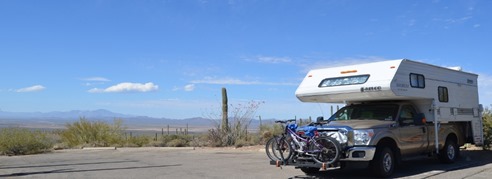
{"type": "Point", "coordinates": [385, 80]}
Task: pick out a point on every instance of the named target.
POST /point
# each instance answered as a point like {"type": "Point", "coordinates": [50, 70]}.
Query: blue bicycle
{"type": "Point", "coordinates": [305, 143]}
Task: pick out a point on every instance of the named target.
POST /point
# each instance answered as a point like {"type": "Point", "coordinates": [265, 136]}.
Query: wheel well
{"type": "Point", "coordinates": [389, 142]}
{"type": "Point", "coordinates": [452, 136]}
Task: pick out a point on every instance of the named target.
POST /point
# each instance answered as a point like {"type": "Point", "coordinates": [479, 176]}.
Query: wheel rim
{"type": "Point", "coordinates": [387, 162]}
{"type": "Point", "coordinates": [451, 152]}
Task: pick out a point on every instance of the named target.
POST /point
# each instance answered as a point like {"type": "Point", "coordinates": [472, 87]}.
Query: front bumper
{"type": "Point", "coordinates": [359, 154]}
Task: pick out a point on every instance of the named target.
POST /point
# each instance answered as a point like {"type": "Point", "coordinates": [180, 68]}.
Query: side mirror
{"type": "Point", "coordinates": [320, 119]}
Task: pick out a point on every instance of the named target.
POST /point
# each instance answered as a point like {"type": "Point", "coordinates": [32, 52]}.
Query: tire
{"type": "Point", "coordinates": [383, 163]}
{"type": "Point", "coordinates": [269, 149]}
{"type": "Point", "coordinates": [309, 170]}
{"type": "Point", "coordinates": [330, 150]}
{"type": "Point", "coordinates": [278, 149]}
{"type": "Point", "coordinates": [450, 152]}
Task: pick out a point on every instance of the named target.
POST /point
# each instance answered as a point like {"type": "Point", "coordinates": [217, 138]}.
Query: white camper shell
{"type": "Point", "coordinates": [442, 94]}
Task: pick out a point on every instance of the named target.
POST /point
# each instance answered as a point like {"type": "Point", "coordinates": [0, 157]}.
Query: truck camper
{"type": "Point", "coordinates": [392, 112]}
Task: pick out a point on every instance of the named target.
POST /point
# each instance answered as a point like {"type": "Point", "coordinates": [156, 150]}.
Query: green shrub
{"type": "Point", "coordinates": [17, 141]}
{"type": "Point", "coordinates": [93, 133]}
{"type": "Point", "coordinates": [177, 143]}
{"type": "Point", "coordinates": [176, 140]}
{"type": "Point", "coordinates": [487, 128]}
{"type": "Point", "coordinates": [138, 141]}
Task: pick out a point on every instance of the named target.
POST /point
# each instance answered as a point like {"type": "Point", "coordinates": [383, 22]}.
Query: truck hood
{"type": "Point", "coordinates": [361, 124]}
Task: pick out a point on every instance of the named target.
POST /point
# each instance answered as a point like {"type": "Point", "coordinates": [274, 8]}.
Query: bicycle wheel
{"type": "Point", "coordinates": [270, 148]}
{"type": "Point", "coordinates": [278, 148]}
{"type": "Point", "coordinates": [328, 150]}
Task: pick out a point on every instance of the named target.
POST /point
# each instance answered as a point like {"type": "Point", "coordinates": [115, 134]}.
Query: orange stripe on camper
{"type": "Point", "coordinates": [348, 71]}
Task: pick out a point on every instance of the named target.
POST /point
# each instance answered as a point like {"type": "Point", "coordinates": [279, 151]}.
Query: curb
{"type": "Point", "coordinates": [98, 148]}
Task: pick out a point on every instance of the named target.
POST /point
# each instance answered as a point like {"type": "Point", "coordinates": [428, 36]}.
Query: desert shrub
{"type": "Point", "coordinates": [268, 131]}
{"type": "Point", "coordinates": [138, 141]}
{"type": "Point", "coordinates": [487, 128]}
{"type": "Point", "coordinates": [17, 141]}
{"type": "Point", "coordinates": [93, 133]}
{"type": "Point", "coordinates": [239, 120]}
{"type": "Point", "coordinates": [177, 143]}
{"type": "Point", "coordinates": [177, 140]}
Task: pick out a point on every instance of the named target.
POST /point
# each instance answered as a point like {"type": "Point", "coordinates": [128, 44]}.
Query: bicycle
{"type": "Point", "coordinates": [306, 143]}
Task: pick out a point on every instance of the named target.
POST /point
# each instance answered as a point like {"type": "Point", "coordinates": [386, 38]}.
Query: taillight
{"type": "Point", "coordinates": [316, 133]}
{"type": "Point", "coordinates": [300, 133]}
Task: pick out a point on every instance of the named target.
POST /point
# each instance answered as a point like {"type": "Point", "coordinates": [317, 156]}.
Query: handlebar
{"type": "Point", "coordinates": [285, 121]}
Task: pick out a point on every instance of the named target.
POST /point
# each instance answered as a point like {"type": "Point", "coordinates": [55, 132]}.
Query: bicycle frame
{"type": "Point", "coordinates": [308, 140]}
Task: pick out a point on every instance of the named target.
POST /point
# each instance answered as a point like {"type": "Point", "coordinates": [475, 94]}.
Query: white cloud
{"type": "Point", "coordinates": [264, 59]}
{"type": "Point", "coordinates": [458, 20]}
{"type": "Point", "coordinates": [232, 81]}
{"type": "Point", "coordinates": [342, 62]}
{"type": "Point", "coordinates": [189, 87]}
{"type": "Point", "coordinates": [99, 79]}
{"type": "Point", "coordinates": [127, 87]}
{"type": "Point", "coordinates": [31, 89]}
{"type": "Point", "coordinates": [267, 59]}
{"type": "Point", "coordinates": [223, 81]}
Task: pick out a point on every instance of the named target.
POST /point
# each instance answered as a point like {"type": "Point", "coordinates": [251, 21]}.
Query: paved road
{"type": "Point", "coordinates": [210, 163]}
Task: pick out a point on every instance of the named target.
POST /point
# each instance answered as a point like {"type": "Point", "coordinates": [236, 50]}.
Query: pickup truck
{"type": "Point", "coordinates": [384, 134]}
{"type": "Point", "coordinates": [395, 110]}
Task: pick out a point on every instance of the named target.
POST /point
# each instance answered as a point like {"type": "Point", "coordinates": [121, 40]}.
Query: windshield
{"type": "Point", "coordinates": [373, 111]}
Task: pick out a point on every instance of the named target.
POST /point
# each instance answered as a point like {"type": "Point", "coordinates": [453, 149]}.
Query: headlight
{"type": "Point", "coordinates": [363, 137]}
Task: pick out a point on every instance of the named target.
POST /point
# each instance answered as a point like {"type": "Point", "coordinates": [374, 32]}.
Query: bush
{"type": "Point", "coordinates": [268, 131]}
{"type": "Point", "coordinates": [177, 143]}
{"type": "Point", "coordinates": [237, 130]}
{"type": "Point", "coordinates": [94, 134]}
{"type": "Point", "coordinates": [16, 141]}
{"type": "Point", "coordinates": [138, 141]}
{"type": "Point", "coordinates": [487, 128]}
{"type": "Point", "coordinates": [176, 140]}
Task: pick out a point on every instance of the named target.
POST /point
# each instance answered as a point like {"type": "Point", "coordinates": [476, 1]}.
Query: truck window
{"type": "Point", "coordinates": [407, 115]}
{"type": "Point", "coordinates": [366, 112]}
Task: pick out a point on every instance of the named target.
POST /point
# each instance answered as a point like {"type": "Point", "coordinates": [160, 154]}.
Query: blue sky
{"type": "Point", "coordinates": [171, 58]}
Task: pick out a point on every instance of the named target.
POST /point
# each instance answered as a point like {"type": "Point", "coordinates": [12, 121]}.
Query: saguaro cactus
{"type": "Point", "coordinates": [225, 120]}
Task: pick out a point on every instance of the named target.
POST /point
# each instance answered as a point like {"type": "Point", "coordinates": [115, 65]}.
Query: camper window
{"type": "Point", "coordinates": [340, 81]}
{"type": "Point", "coordinates": [443, 94]}
{"type": "Point", "coordinates": [417, 80]}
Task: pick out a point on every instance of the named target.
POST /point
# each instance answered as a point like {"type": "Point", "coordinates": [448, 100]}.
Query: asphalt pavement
{"type": "Point", "coordinates": [212, 163]}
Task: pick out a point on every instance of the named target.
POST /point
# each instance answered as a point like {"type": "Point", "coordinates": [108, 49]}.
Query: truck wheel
{"type": "Point", "coordinates": [383, 163]}
{"type": "Point", "coordinates": [309, 170]}
{"type": "Point", "coordinates": [450, 152]}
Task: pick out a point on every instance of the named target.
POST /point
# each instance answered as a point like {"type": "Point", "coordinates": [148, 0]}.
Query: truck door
{"type": "Point", "coordinates": [413, 136]}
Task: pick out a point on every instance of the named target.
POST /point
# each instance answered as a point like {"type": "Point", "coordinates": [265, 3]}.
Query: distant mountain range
{"type": "Point", "coordinates": [59, 119]}
{"type": "Point", "coordinates": [74, 114]}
